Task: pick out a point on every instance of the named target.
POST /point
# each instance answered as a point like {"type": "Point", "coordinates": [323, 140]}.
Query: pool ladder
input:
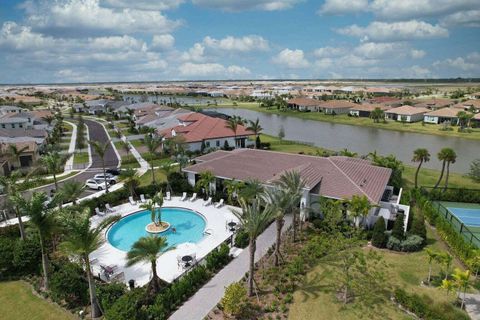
{"type": "Point", "coordinates": [208, 232]}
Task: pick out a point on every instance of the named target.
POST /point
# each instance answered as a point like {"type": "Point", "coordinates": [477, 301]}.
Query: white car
{"type": "Point", "coordinates": [95, 184]}
{"type": "Point", "coordinates": [110, 178]}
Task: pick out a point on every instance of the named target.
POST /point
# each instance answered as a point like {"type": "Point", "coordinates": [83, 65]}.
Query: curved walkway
{"type": "Point", "coordinates": [198, 306]}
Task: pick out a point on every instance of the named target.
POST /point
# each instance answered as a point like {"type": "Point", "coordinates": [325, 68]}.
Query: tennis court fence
{"type": "Point", "coordinates": [470, 234]}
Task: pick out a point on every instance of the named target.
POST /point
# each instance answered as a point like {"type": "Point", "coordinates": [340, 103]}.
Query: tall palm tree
{"type": "Point", "coordinates": [462, 280]}
{"type": "Point", "coordinates": [254, 219]}
{"type": "Point", "coordinates": [256, 128]}
{"type": "Point", "coordinates": [252, 189]}
{"type": "Point", "coordinates": [148, 249]}
{"type": "Point", "coordinates": [130, 180]}
{"type": "Point", "coordinates": [446, 155]}
{"type": "Point", "coordinates": [152, 143]}
{"type": "Point", "coordinates": [168, 167]}
{"type": "Point", "coordinates": [359, 206]}
{"type": "Point", "coordinates": [42, 220]}
{"type": "Point", "coordinates": [206, 179]}
{"type": "Point", "coordinates": [15, 153]}
{"type": "Point", "coordinates": [101, 149]}
{"type": "Point", "coordinates": [420, 155]}
{"type": "Point", "coordinates": [71, 191]}
{"type": "Point", "coordinates": [126, 147]}
{"type": "Point", "coordinates": [293, 184]}
{"type": "Point", "coordinates": [48, 119]}
{"type": "Point", "coordinates": [377, 114]}
{"type": "Point", "coordinates": [151, 206]}
{"type": "Point", "coordinates": [11, 185]}
{"type": "Point", "coordinates": [81, 239]}
{"type": "Point", "coordinates": [432, 256]}
{"type": "Point", "coordinates": [53, 162]}
{"type": "Point", "coordinates": [232, 124]}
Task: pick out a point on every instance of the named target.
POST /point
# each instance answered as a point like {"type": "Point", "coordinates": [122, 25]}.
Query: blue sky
{"type": "Point", "coordinates": [123, 40]}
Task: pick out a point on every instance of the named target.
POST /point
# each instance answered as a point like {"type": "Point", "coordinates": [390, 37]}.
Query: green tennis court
{"type": "Point", "coordinates": [465, 217]}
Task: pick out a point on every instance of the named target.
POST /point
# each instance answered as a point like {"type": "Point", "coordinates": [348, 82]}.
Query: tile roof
{"type": "Point", "coordinates": [334, 177]}
{"type": "Point", "coordinates": [370, 107]}
{"type": "Point", "coordinates": [338, 104]}
{"type": "Point", "coordinates": [31, 146]}
{"type": "Point", "coordinates": [307, 102]}
{"type": "Point", "coordinates": [15, 133]}
{"type": "Point", "coordinates": [444, 112]}
{"type": "Point", "coordinates": [408, 110]}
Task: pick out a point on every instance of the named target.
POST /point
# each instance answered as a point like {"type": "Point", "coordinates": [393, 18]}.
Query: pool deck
{"type": "Point", "coordinates": [167, 266]}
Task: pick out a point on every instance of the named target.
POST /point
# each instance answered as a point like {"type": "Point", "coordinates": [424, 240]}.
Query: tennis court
{"type": "Point", "coordinates": [465, 217]}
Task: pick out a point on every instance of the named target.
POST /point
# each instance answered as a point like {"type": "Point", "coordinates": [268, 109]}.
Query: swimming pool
{"type": "Point", "coordinates": [189, 227]}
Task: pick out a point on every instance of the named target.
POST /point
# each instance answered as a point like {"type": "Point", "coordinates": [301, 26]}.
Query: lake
{"type": "Point", "coordinates": [363, 140]}
{"type": "Point", "coordinates": [164, 99]}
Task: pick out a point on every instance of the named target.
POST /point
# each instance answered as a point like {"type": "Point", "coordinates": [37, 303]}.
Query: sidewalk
{"type": "Point", "coordinates": [198, 306]}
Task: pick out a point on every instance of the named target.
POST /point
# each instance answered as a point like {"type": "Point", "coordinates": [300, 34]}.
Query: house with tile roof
{"type": "Point", "coordinates": [364, 110]}
{"type": "Point", "coordinates": [406, 113]}
{"type": "Point", "coordinates": [304, 104]}
{"type": "Point", "coordinates": [337, 106]}
{"type": "Point", "coordinates": [330, 177]}
{"type": "Point", "coordinates": [441, 116]}
{"type": "Point", "coordinates": [200, 130]}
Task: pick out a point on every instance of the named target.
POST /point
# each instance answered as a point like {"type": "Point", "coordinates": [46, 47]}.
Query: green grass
{"type": "Point", "coordinates": [357, 121]}
{"type": "Point", "coordinates": [405, 270]}
{"type": "Point", "coordinates": [80, 157]}
{"type": "Point", "coordinates": [129, 162]}
{"type": "Point", "coordinates": [287, 146]}
{"type": "Point", "coordinates": [137, 143]}
{"type": "Point", "coordinates": [146, 178]}
{"type": "Point", "coordinates": [18, 302]}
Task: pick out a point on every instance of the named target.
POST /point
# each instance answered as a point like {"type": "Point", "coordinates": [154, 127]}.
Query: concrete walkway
{"type": "Point", "coordinates": [472, 305]}
{"type": "Point", "coordinates": [71, 147]}
{"type": "Point", "coordinates": [212, 292]}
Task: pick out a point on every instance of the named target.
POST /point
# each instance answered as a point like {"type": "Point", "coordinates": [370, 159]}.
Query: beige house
{"type": "Point", "coordinates": [406, 113]}
{"type": "Point", "coordinates": [304, 104]}
{"type": "Point", "coordinates": [442, 115]}
{"type": "Point", "coordinates": [337, 106]}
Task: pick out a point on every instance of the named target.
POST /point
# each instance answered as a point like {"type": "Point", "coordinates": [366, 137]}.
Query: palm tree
{"type": "Point", "coordinates": [71, 191]}
{"type": "Point", "coordinates": [346, 153]}
{"type": "Point", "coordinates": [251, 190]}
{"type": "Point", "coordinates": [43, 222]}
{"type": "Point", "coordinates": [48, 119]}
{"type": "Point", "coordinates": [15, 152]}
{"type": "Point", "coordinates": [158, 199]}
{"type": "Point", "coordinates": [432, 256]}
{"type": "Point", "coordinates": [152, 143]}
{"type": "Point", "coordinates": [377, 114]}
{"type": "Point", "coordinates": [359, 206]}
{"type": "Point", "coordinates": [420, 155]}
{"type": "Point", "coordinates": [126, 147]}
{"type": "Point", "coordinates": [445, 155]}
{"type": "Point", "coordinates": [168, 167]}
{"type": "Point", "coordinates": [279, 201]}
{"type": "Point", "coordinates": [53, 162]}
{"type": "Point", "coordinates": [205, 181]}
{"type": "Point", "coordinates": [462, 280]}
{"type": "Point", "coordinates": [151, 206]}
{"type": "Point", "coordinates": [254, 220]}
{"type": "Point", "coordinates": [101, 149]}
{"type": "Point", "coordinates": [256, 128]}
{"type": "Point", "coordinates": [293, 184]}
{"type": "Point", "coordinates": [451, 158]}
{"type": "Point", "coordinates": [148, 249]}
{"type": "Point", "coordinates": [130, 180]}
{"type": "Point", "coordinates": [232, 124]}
{"type": "Point", "coordinates": [232, 188]}
{"type": "Point", "coordinates": [81, 239]}
{"type": "Point", "coordinates": [11, 185]}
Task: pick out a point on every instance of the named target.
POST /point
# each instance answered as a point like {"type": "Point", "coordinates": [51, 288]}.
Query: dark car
{"type": "Point", "coordinates": [113, 171]}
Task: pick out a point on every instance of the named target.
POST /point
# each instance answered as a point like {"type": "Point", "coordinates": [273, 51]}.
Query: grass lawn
{"type": "Point", "coordinates": [18, 302]}
{"type": "Point", "coordinates": [146, 178]}
{"type": "Point", "coordinates": [405, 270]}
{"type": "Point", "coordinates": [366, 122]}
{"type": "Point", "coordinates": [80, 157]}
{"type": "Point", "coordinates": [288, 146]}
{"type": "Point", "coordinates": [129, 162]}
{"type": "Point", "coordinates": [137, 143]}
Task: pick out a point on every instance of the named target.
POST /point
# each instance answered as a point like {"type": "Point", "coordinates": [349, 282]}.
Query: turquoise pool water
{"type": "Point", "coordinates": [190, 226]}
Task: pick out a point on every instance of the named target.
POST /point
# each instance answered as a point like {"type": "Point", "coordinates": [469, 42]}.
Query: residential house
{"type": "Point", "coordinates": [475, 95]}
{"type": "Point", "coordinates": [16, 135]}
{"type": "Point", "coordinates": [434, 104]}
{"type": "Point", "coordinates": [304, 104]}
{"type": "Point", "coordinates": [469, 105]}
{"type": "Point", "coordinates": [17, 120]}
{"type": "Point", "coordinates": [337, 106]}
{"type": "Point", "coordinates": [329, 177]}
{"type": "Point", "coordinates": [201, 131]}
{"type": "Point", "coordinates": [406, 113]}
{"type": "Point", "coordinates": [11, 109]}
{"type": "Point", "coordinates": [364, 110]}
{"type": "Point", "coordinates": [28, 156]}
{"type": "Point", "coordinates": [442, 115]}
{"type": "Point", "coordinates": [98, 106]}
{"type": "Point", "coordinates": [476, 120]}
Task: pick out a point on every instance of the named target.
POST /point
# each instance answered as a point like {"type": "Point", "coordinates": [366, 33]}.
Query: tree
{"type": "Point", "coordinates": [130, 180]}
{"type": "Point", "coordinates": [462, 281]}
{"type": "Point", "coordinates": [256, 128]}
{"type": "Point", "coordinates": [125, 147]}
{"type": "Point", "coordinates": [254, 219]}
{"type": "Point", "coordinates": [346, 153]}
{"type": "Point", "coordinates": [447, 156]}
{"type": "Point", "coordinates": [445, 259]}
{"type": "Point", "coordinates": [81, 239]}
{"type": "Point", "coordinates": [251, 190]}
{"type": "Point", "coordinates": [152, 143]}
{"type": "Point", "coordinates": [11, 185]}
{"type": "Point", "coordinates": [420, 155]}
{"type": "Point", "coordinates": [233, 188]}
{"type": "Point", "coordinates": [281, 133]}
{"type": "Point", "coordinates": [398, 227]}
{"type": "Point", "coordinates": [168, 167]}
{"type": "Point", "coordinates": [379, 238]}
{"type": "Point", "coordinates": [53, 162]}
{"type": "Point", "coordinates": [101, 150]}
{"type": "Point", "coordinates": [71, 190]}
{"type": "Point", "coordinates": [48, 119]}
{"type": "Point", "coordinates": [464, 119]}
{"type": "Point", "coordinates": [234, 300]}
{"type": "Point", "coordinates": [205, 181]}
{"type": "Point", "coordinates": [377, 114]}
{"type": "Point", "coordinates": [43, 222]}
{"type": "Point", "coordinates": [148, 249]}
{"type": "Point", "coordinates": [232, 124]}
{"type": "Point", "coordinates": [432, 256]}
{"type": "Point", "coordinates": [393, 163]}
{"type": "Point", "coordinates": [474, 172]}
{"type": "Point", "coordinates": [359, 206]}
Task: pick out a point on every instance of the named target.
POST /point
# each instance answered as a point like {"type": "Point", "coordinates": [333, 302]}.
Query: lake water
{"type": "Point", "coordinates": [164, 99]}
{"type": "Point", "coordinates": [363, 140]}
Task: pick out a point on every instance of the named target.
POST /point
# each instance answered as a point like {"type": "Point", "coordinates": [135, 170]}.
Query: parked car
{"type": "Point", "coordinates": [110, 178]}
{"type": "Point", "coordinates": [95, 184]}
{"type": "Point", "coordinates": [113, 171]}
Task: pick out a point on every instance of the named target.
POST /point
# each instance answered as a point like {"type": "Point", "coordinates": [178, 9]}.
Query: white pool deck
{"type": "Point", "coordinates": [167, 266]}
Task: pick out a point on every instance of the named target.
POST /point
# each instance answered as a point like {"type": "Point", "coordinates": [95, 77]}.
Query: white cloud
{"type": "Point", "coordinates": [158, 5]}
{"type": "Point", "coordinates": [195, 53]}
{"type": "Point", "coordinates": [469, 18]}
{"type": "Point", "coordinates": [372, 50]}
{"type": "Point", "coordinates": [343, 7]}
{"type": "Point", "coordinates": [470, 63]}
{"type": "Point", "coordinates": [396, 31]}
{"type": "Point", "coordinates": [87, 17]}
{"type": "Point", "coordinates": [329, 52]}
{"type": "Point", "coordinates": [417, 72]}
{"type": "Point", "coordinates": [15, 37]}
{"type": "Point", "coordinates": [293, 59]}
{"type": "Point", "coordinates": [417, 54]}
{"type": "Point", "coordinates": [163, 41]}
{"type": "Point", "coordinates": [243, 44]}
{"type": "Point", "coordinates": [241, 5]}
{"type": "Point", "coordinates": [211, 69]}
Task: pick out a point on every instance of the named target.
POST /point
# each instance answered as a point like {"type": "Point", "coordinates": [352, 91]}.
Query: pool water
{"type": "Point", "coordinates": [188, 224]}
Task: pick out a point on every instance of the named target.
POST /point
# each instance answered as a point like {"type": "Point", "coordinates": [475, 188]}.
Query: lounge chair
{"type": "Point", "coordinates": [132, 202]}
{"type": "Point", "coordinates": [142, 198]}
{"type": "Point", "coordinates": [108, 208]}
{"type": "Point", "coordinates": [99, 213]}
{"type": "Point", "coordinates": [168, 196]}
{"type": "Point", "coordinates": [209, 202]}
{"type": "Point", "coordinates": [219, 204]}
{"type": "Point", "coordinates": [184, 197]}
{"type": "Point", "coordinates": [194, 197]}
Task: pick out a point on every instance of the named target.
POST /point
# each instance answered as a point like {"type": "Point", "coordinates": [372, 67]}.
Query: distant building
{"type": "Point", "coordinates": [365, 110]}
{"type": "Point", "coordinates": [304, 104]}
{"type": "Point", "coordinates": [337, 106]}
{"type": "Point", "coordinates": [406, 113]}
{"type": "Point", "coordinates": [442, 115]}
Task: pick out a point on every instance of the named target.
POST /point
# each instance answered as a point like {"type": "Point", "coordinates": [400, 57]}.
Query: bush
{"type": "Point", "coordinates": [109, 293]}
{"type": "Point", "coordinates": [27, 256]}
{"type": "Point", "coordinates": [418, 225]}
{"type": "Point", "coordinates": [241, 239]}
{"type": "Point", "coordinates": [10, 231]}
{"type": "Point", "coordinates": [412, 243]}
{"type": "Point", "coordinates": [394, 244]}
{"type": "Point", "coordinates": [68, 285]}
{"type": "Point", "coordinates": [379, 238]}
{"type": "Point", "coordinates": [6, 257]}
{"type": "Point", "coordinates": [129, 306]}
{"type": "Point", "coordinates": [398, 227]}
{"type": "Point", "coordinates": [218, 258]}
{"type": "Point", "coordinates": [234, 300]}
{"type": "Point", "coordinates": [179, 182]}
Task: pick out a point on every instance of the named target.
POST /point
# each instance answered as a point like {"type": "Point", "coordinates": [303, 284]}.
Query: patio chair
{"type": "Point", "coordinates": [209, 202]}
{"type": "Point", "coordinates": [219, 204]}
{"type": "Point", "coordinates": [168, 196]}
{"type": "Point", "coordinates": [99, 213]}
{"type": "Point", "coordinates": [184, 197]}
{"type": "Point", "coordinates": [142, 198]}
{"type": "Point", "coordinates": [194, 197]}
{"type": "Point", "coordinates": [108, 208]}
{"type": "Point", "coordinates": [118, 277]}
{"type": "Point", "coordinates": [132, 202]}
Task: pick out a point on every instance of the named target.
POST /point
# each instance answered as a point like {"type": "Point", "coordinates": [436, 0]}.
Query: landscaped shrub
{"type": "Point", "coordinates": [394, 244]}
{"type": "Point", "coordinates": [109, 293]}
{"type": "Point", "coordinates": [128, 306]}
{"type": "Point", "coordinates": [412, 243]}
{"type": "Point", "coordinates": [379, 238]}
{"type": "Point", "coordinates": [241, 239]}
{"type": "Point", "coordinates": [27, 256]}
{"type": "Point", "coordinates": [398, 227]}
{"type": "Point", "coordinates": [179, 183]}
{"type": "Point", "coordinates": [6, 257]}
{"type": "Point", "coordinates": [234, 300]}
{"type": "Point", "coordinates": [68, 285]}
{"type": "Point", "coordinates": [418, 225]}
{"type": "Point", "coordinates": [218, 258]}
{"type": "Point", "coordinates": [10, 231]}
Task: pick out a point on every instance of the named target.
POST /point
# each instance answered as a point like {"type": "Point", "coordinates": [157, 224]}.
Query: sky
{"type": "Point", "coordinates": [58, 41]}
